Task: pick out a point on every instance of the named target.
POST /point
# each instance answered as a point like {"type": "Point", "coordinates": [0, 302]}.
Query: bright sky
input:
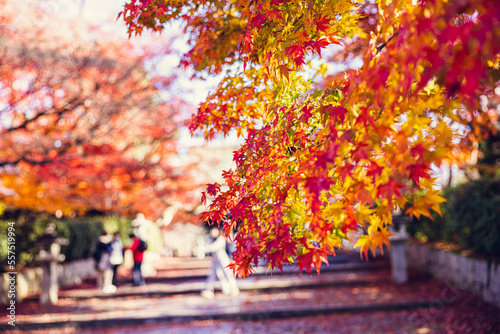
{"type": "Point", "coordinates": [104, 13]}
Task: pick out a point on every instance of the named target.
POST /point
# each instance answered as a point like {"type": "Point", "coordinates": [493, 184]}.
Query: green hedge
{"type": "Point", "coordinates": [28, 227]}
{"type": "Point", "coordinates": [471, 218]}
{"type": "Point", "coordinates": [81, 232]}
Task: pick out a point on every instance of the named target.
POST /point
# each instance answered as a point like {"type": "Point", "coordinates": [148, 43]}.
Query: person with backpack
{"type": "Point", "coordinates": [138, 247]}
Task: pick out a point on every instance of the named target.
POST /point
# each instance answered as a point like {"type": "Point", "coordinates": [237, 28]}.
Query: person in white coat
{"type": "Point", "coordinates": [220, 261]}
{"type": "Point", "coordinates": [116, 256]}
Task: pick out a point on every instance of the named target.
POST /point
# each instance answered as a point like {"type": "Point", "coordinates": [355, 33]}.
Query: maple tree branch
{"type": "Point", "coordinates": [26, 159]}
{"type": "Point", "coordinates": [383, 45]}
{"type": "Point", "coordinates": [22, 97]}
{"type": "Point", "coordinates": [59, 111]}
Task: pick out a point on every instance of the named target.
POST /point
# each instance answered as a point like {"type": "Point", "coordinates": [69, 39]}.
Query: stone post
{"type": "Point", "coordinates": [398, 251]}
{"type": "Point", "coordinates": [48, 260]}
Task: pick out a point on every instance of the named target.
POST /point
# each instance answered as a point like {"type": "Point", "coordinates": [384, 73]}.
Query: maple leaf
{"type": "Point", "coordinates": [418, 150]}
{"type": "Point", "coordinates": [345, 172]}
{"type": "Point", "coordinates": [242, 269]}
{"type": "Point", "coordinates": [322, 23]}
{"type": "Point", "coordinates": [315, 185]}
{"type": "Point", "coordinates": [338, 113]}
{"type": "Point", "coordinates": [352, 222]}
{"type": "Point", "coordinates": [374, 170]}
{"type": "Point", "coordinates": [361, 152]}
{"type": "Point", "coordinates": [364, 243]}
{"type": "Point", "coordinates": [433, 199]}
{"type": "Point", "coordinates": [258, 21]}
{"type": "Point", "coordinates": [306, 113]}
{"type": "Point", "coordinates": [213, 188]}
{"type": "Point", "coordinates": [319, 258]}
{"type": "Point", "coordinates": [312, 258]}
{"type": "Point", "coordinates": [274, 14]}
{"type": "Point", "coordinates": [365, 118]}
{"type": "Point", "coordinates": [320, 43]}
{"type": "Point", "coordinates": [230, 177]}
{"type": "Point", "coordinates": [380, 238]}
{"type": "Point", "coordinates": [417, 171]}
{"type": "Point", "coordinates": [389, 190]}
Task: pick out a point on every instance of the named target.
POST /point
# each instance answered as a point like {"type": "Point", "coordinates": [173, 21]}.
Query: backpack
{"type": "Point", "coordinates": [143, 245]}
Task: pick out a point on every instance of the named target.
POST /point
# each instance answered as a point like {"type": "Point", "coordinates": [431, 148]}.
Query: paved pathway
{"type": "Point", "coordinates": [281, 303]}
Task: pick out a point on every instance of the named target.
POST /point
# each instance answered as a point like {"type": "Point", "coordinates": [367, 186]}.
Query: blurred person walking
{"type": "Point", "coordinates": [116, 256]}
{"type": "Point", "coordinates": [137, 247]}
{"type": "Point", "coordinates": [218, 269]}
{"type": "Point", "coordinates": [103, 265]}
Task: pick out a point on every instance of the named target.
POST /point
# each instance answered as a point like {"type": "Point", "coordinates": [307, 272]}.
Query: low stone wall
{"type": "Point", "coordinates": [72, 273]}
{"type": "Point", "coordinates": [29, 280]}
{"type": "Point", "coordinates": [477, 275]}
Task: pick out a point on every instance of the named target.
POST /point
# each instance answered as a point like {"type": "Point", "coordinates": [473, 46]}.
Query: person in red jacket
{"type": "Point", "coordinates": [138, 257]}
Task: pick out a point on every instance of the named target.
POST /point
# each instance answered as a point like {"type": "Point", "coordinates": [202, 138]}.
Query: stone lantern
{"type": "Point", "coordinates": [398, 249]}
{"type": "Point", "coordinates": [48, 257]}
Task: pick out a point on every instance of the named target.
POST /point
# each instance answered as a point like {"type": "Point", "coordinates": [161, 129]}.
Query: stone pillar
{"type": "Point", "coordinates": [398, 260]}
{"type": "Point", "coordinates": [399, 266]}
{"type": "Point", "coordinates": [50, 286]}
{"type": "Point", "coordinates": [49, 256]}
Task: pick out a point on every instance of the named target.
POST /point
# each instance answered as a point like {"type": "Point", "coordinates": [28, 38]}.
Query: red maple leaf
{"type": "Point", "coordinates": [352, 222]}
{"type": "Point", "coordinates": [322, 23]}
{"type": "Point", "coordinates": [338, 113]}
{"type": "Point", "coordinates": [374, 169]}
{"type": "Point", "coordinates": [230, 177]}
{"type": "Point", "coordinates": [418, 150]}
{"type": "Point", "coordinates": [389, 190]}
{"type": "Point", "coordinates": [315, 185]}
{"type": "Point", "coordinates": [417, 171]}
{"type": "Point", "coordinates": [213, 189]}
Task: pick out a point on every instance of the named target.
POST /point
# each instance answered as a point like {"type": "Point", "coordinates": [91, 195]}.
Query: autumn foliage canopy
{"type": "Point", "coordinates": [328, 152]}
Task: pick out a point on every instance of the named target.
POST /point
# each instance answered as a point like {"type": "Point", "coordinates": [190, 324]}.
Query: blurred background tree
{"type": "Point", "coordinates": [88, 137]}
{"type": "Point", "coordinates": [83, 125]}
